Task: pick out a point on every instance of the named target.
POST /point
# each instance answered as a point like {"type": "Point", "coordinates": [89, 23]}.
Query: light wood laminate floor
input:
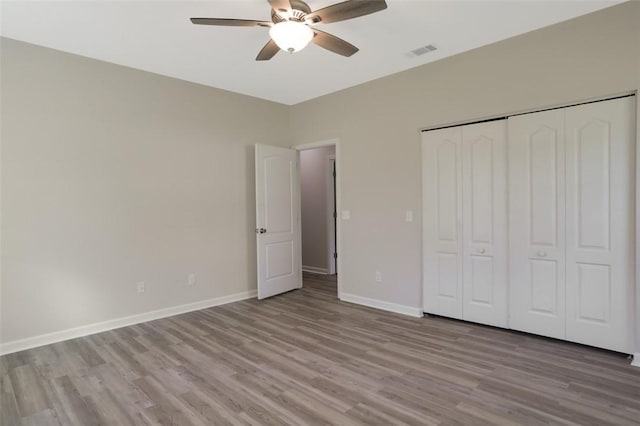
{"type": "Point", "coordinates": [306, 358]}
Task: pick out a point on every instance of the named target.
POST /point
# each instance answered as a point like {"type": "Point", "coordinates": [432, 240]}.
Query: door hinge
{"type": "Point", "coordinates": [335, 255]}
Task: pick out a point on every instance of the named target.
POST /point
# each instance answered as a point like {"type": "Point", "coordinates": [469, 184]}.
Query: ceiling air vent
{"type": "Point", "coordinates": [421, 51]}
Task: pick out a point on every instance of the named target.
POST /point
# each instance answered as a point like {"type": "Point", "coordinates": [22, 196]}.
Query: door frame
{"type": "Point", "coordinates": [331, 220]}
{"type": "Point", "coordinates": [320, 144]}
{"type": "Point", "coordinates": [636, 354]}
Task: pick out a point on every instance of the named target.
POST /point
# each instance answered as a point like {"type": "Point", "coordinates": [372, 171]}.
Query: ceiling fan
{"type": "Point", "coordinates": [292, 26]}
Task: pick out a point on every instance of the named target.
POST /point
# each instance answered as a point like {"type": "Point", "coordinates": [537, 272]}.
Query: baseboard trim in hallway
{"type": "Point", "coordinates": [99, 327]}
{"type": "Point", "coordinates": [380, 304]}
{"type": "Point", "coordinates": [315, 270]}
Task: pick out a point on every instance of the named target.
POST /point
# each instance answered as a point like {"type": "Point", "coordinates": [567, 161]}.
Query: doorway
{"type": "Point", "coordinates": [319, 213]}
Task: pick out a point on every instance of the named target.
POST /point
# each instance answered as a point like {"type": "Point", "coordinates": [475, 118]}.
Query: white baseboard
{"type": "Point", "coordinates": [379, 304]}
{"type": "Point", "coordinates": [85, 330]}
{"type": "Point", "coordinates": [636, 360]}
{"type": "Point", "coordinates": [314, 270]}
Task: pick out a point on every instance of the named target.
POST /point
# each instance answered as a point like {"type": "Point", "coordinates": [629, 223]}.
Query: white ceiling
{"type": "Point", "coordinates": [157, 36]}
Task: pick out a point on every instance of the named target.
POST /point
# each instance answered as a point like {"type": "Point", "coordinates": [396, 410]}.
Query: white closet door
{"type": "Point", "coordinates": [600, 223]}
{"type": "Point", "coordinates": [484, 223]}
{"type": "Point", "coordinates": [442, 207]}
{"type": "Point", "coordinates": [536, 223]}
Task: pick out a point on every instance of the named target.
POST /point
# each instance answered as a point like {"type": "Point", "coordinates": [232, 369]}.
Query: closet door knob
{"type": "Point", "coordinates": [481, 251]}
{"type": "Point", "coordinates": [542, 253]}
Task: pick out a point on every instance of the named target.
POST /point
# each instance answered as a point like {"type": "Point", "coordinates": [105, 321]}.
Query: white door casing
{"type": "Point", "coordinates": [277, 220]}
{"type": "Point", "coordinates": [484, 223]}
{"type": "Point", "coordinates": [537, 223]}
{"type": "Point", "coordinates": [332, 212]}
{"type": "Point", "coordinates": [600, 233]}
{"type": "Point", "coordinates": [442, 221]}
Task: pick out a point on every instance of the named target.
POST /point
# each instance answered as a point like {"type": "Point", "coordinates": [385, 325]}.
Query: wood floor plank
{"type": "Point", "coordinates": [168, 402]}
{"type": "Point", "coordinates": [109, 410]}
{"type": "Point", "coordinates": [492, 415]}
{"type": "Point", "coordinates": [9, 413]}
{"type": "Point", "coordinates": [210, 410]}
{"type": "Point", "coordinates": [46, 417]}
{"type": "Point", "coordinates": [272, 398]}
{"type": "Point", "coordinates": [29, 391]}
{"type": "Point", "coordinates": [305, 358]}
{"type": "Point", "coordinates": [368, 415]}
{"type": "Point", "coordinates": [69, 405]}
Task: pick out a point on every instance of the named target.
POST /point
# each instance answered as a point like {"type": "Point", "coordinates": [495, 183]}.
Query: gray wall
{"type": "Point", "coordinates": [314, 180]}
{"type": "Point", "coordinates": [378, 126]}
{"type": "Point", "coordinates": [112, 176]}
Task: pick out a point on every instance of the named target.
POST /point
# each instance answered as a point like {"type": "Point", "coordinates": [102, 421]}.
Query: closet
{"type": "Point", "coordinates": [554, 253]}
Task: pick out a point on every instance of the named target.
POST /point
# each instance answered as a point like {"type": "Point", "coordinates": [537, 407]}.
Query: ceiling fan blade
{"type": "Point", "coordinates": [333, 43]}
{"type": "Point", "coordinates": [268, 51]}
{"type": "Point", "coordinates": [231, 22]}
{"type": "Point", "coordinates": [280, 4]}
{"type": "Point", "coordinates": [346, 10]}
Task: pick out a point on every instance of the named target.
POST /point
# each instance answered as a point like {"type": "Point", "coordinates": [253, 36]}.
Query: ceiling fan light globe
{"type": "Point", "coordinates": [291, 36]}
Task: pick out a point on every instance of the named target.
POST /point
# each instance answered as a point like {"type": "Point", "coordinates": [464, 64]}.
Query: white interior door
{"type": "Point", "coordinates": [600, 223]}
{"type": "Point", "coordinates": [442, 221]}
{"type": "Point", "coordinates": [277, 220]}
{"type": "Point", "coordinates": [537, 223]}
{"type": "Point", "coordinates": [484, 223]}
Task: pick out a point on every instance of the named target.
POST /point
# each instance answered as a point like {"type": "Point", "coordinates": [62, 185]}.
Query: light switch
{"type": "Point", "coordinates": [408, 216]}
{"type": "Point", "coordinates": [345, 215]}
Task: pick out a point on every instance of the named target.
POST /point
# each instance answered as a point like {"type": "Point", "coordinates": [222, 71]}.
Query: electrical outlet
{"type": "Point", "coordinates": [408, 216]}
{"type": "Point", "coordinates": [378, 276]}
{"type": "Point", "coordinates": [140, 287]}
{"type": "Point", "coordinates": [191, 279]}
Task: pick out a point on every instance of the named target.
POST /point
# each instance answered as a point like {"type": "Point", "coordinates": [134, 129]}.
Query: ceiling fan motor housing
{"type": "Point", "coordinates": [299, 10]}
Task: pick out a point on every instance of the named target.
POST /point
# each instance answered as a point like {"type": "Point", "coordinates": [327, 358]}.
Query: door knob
{"type": "Point", "coordinates": [542, 253]}
{"type": "Point", "coordinates": [481, 251]}
{"type": "Point", "coordinates": [260, 230]}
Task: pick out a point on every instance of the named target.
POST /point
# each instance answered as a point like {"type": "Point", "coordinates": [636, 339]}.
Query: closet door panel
{"type": "Point", "coordinates": [481, 277]}
{"type": "Point", "coordinates": [484, 223]}
{"type": "Point", "coordinates": [442, 204]}
{"type": "Point", "coordinates": [542, 291]}
{"type": "Point", "coordinates": [536, 223]}
{"type": "Point", "coordinates": [600, 223]}
{"type": "Point", "coordinates": [479, 169]}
